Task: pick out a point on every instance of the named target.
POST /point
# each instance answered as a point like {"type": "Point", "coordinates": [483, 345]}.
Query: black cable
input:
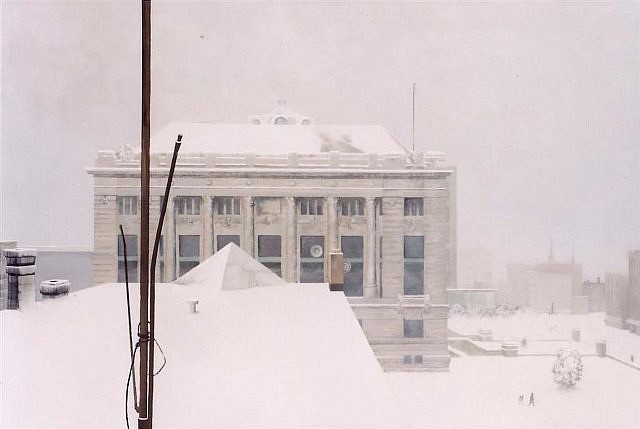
{"type": "Point", "coordinates": [126, 280]}
{"type": "Point", "coordinates": [126, 394]}
{"type": "Point", "coordinates": [164, 358]}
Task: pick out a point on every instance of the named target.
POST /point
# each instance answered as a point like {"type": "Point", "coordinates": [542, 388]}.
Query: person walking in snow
{"type": "Point", "coordinates": [521, 399]}
{"type": "Point", "coordinates": [531, 400]}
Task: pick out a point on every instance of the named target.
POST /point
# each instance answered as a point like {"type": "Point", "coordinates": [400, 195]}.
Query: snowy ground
{"type": "Point", "coordinates": [546, 333]}
{"type": "Point", "coordinates": [482, 392]}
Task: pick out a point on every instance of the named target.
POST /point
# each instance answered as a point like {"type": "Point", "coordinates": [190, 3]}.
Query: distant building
{"type": "Point", "coordinates": [543, 285]}
{"type": "Point", "coordinates": [595, 291]}
{"type": "Point", "coordinates": [633, 322]}
{"type": "Point", "coordinates": [288, 191]}
{"type": "Point", "coordinates": [616, 299]}
{"type": "Point", "coordinates": [473, 300]}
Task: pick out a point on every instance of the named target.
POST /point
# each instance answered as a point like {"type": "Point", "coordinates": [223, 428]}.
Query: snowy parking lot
{"type": "Point", "coordinates": [482, 392]}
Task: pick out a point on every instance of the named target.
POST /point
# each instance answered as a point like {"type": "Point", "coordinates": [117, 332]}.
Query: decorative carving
{"type": "Point", "coordinates": [416, 158]}
{"type": "Point", "coordinates": [125, 153]}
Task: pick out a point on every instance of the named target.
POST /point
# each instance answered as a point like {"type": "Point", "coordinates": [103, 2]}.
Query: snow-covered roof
{"type": "Point", "coordinates": [230, 268]}
{"type": "Point", "coordinates": [287, 355]}
{"type": "Point", "coordinates": [241, 138]}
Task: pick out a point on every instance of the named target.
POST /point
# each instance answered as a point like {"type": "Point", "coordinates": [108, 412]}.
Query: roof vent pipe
{"type": "Point", "coordinates": [193, 305]}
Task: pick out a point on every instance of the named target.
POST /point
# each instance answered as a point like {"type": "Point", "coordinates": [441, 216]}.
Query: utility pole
{"type": "Point", "coordinates": [144, 422]}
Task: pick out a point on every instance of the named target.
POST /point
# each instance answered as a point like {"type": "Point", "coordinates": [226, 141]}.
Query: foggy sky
{"type": "Point", "coordinates": [538, 105]}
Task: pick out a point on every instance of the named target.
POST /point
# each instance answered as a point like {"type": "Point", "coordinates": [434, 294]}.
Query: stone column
{"type": "Point", "coordinates": [169, 241]}
{"type": "Point", "coordinates": [291, 247]}
{"type": "Point", "coordinates": [370, 250]}
{"type": "Point", "coordinates": [248, 223]}
{"type": "Point", "coordinates": [331, 207]}
{"type": "Point", "coordinates": [207, 227]}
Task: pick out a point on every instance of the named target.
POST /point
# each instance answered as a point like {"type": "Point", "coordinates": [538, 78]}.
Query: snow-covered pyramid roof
{"type": "Point", "coordinates": [230, 268]}
{"type": "Point", "coordinates": [282, 356]}
{"type": "Point", "coordinates": [272, 139]}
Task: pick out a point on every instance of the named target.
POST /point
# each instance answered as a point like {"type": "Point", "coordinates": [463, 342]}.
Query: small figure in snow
{"type": "Point", "coordinates": [631, 358]}
{"type": "Point", "coordinates": [521, 399]}
{"type": "Point", "coordinates": [524, 342]}
{"type": "Point", "coordinates": [531, 400]}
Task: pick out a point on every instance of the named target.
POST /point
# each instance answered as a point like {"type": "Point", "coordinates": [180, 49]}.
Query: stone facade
{"type": "Point", "coordinates": [616, 299]}
{"type": "Point", "coordinates": [392, 215]}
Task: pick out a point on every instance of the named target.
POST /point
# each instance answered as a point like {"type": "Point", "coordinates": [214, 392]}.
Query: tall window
{"type": "Point", "coordinates": [413, 279]}
{"type": "Point", "coordinates": [414, 206]}
{"type": "Point", "coordinates": [127, 205]}
{"type": "Point", "coordinates": [352, 249]}
{"type": "Point", "coordinates": [311, 206]}
{"type": "Point", "coordinates": [228, 206]}
{"type": "Point", "coordinates": [311, 259]}
{"type": "Point", "coordinates": [223, 240]}
{"type": "Point", "coordinates": [413, 328]}
{"type": "Point", "coordinates": [188, 205]}
{"type": "Point", "coordinates": [188, 252]}
{"type": "Point", "coordinates": [132, 258]}
{"type": "Point", "coordinates": [352, 206]}
{"type": "Point", "coordinates": [270, 252]}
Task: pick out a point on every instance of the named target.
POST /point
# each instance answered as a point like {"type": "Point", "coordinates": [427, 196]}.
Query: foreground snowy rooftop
{"type": "Point", "coordinates": [276, 355]}
{"type": "Point", "coordinates": [280, 356]}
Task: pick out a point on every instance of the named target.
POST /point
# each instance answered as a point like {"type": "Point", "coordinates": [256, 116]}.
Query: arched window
{"type": "Point", "coordinates": [280, 120]}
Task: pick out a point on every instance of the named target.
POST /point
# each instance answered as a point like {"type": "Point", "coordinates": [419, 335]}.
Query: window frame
{"type": "Point", "coordinates": [188, 205]}
{"type": "Point", "coordinates": [127, 205]}
{"type": "Point", "coordinates": [414, 206]}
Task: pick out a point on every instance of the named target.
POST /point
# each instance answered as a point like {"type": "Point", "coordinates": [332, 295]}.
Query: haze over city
{"type": "Point", "coordinates": [536, 105]}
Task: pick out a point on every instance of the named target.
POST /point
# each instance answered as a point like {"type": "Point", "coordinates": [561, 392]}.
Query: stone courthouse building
{"type": "Point", "coordinates": [288, 191]}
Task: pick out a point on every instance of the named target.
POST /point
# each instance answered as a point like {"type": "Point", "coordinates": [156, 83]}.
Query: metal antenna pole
{"type": "Point", "coordinates": [413, 117]}
{"type": "Point", "coordinates": [152, 280]}
{"type": "Point", "coordinates": [143, 421]}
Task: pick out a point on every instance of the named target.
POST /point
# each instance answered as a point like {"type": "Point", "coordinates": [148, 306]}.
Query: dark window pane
{"type": "Point", "coordinates": [353, 277]}
{"type": "Point", "coordinates": [276, 267]}
{"type": "Point", "coordinates": [133, 271]}
{"type": "Point", "coordinates": [413, 246]}
{"type": "Point", "coordinates": [311, 206]}
{"type": "Point", "coordinates": [418, 359]}
{"type": "Point", "coordinates": [406, 359]}
{"type": "Point", "coordinates": [413, 206]}
{"type": "Point", "coordinates": [352, 246]}
{"type": "Point", "coordinates": [352, 249]}
{"type": "Point", "coordinates": [132, 246]}
{"type": "Point", "coordinates": [311, 272]}
{"type": "Point", "coordinates": [312, 259]}
{"type": "Point", "coordinates": [223, 240]}
{"type": "Point", "coordinates": [189, 246]}
{"type": "Point", "coordinates": [186, 266]}
{"type": "Point", "coordinates": [413, 329]}
{"type": "Point", "coordinates": [269, 245]}
{"type": "Point", "coordinates": [312, 246]}
{"type": "Point", "coordinates": [413, 279]}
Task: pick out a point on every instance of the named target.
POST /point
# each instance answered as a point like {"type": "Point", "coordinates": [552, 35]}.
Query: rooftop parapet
{"type": "Point", "coordinates": [126, 157]}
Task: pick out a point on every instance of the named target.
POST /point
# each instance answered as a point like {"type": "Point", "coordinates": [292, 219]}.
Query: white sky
{"type": "Point", "coordinates": [537, 104]}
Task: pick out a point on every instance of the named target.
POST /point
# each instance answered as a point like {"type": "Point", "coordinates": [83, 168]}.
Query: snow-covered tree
{"type": "Point", "coordinates": [567, 370]}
